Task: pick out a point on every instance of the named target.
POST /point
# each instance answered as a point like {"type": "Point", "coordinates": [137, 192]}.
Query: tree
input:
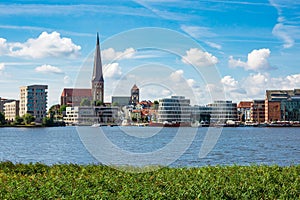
{"type": "Point", "coordinates": [155, 105]}
{"type": "Point", "coordinates": [19, 120]}
{"type": "Point", "coordinates": [115, 104]}
{"type": "Point", "coordinates": [48, 121]}
{"type": "Point", "coordinates": [62, 109]}
{"type": "Point", "coordinates": [85, 102]}
{"type": "Point", "coordinates": [28, 118]}
{"type": "Point", "coordinates": [2, 119]}
{"type": "Point", "coordinates": [97, 103]}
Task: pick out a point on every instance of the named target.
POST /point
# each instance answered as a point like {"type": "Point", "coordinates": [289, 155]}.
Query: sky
{"type": "Point", "coordinates": [204, 49]}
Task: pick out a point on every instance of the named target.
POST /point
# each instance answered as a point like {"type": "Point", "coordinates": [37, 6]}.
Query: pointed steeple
{"type": "Point", "coordinates": [97, 78]}
{"type": "Point", "coordinates": [97, 72]}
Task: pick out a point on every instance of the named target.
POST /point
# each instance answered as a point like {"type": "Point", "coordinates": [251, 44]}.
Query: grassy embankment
{"type": "Point", "coordinates": [37, 181]}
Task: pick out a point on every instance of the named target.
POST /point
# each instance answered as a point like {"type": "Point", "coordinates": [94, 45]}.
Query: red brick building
{"type": "Point", "coordinates": [73, 96]}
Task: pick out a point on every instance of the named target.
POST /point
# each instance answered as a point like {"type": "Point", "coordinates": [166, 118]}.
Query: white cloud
{"type": "Point", "coordinates": [177, 76]}
{"type": "Point", "coordinates": [214, 45]}
{"type": "Point", "coordinates": [111, 54]}
{"type": "Point", "coordinates": [67, 80]}
{"type": "Point", "coordinates": [257, 60]}
{"type": "Point", "coordinates": [112, 70]}
{"type": "Point", "coordinates": [3, 46]}
{"type": "Point", "coordinates": [199, 58]}
{"type": "Point", "coordinates": [46, 45]}
{"type": "Point", "coordinates": [198, 31]}
{"type": "Point", "coordinates": [2, 66]}
{"type": "Point", "coordinates": [48, 69]}
{"type": "Point", "coordinates": [283, 32]}
{"type": "Point", "coordinates": [229, 81]}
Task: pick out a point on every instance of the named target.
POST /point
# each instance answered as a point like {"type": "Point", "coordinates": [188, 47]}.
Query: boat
{"type": "Point", "coordinates": [96, 125]}
{"type": "Point", "coordinates": [170, 124]}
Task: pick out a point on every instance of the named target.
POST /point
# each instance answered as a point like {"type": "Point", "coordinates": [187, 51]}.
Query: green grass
{"type": "Point", "coordinates": [70, 181]}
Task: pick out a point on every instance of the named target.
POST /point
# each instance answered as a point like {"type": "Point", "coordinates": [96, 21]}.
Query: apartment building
{"type": "Point", "coordinates": [33, 100]}
{"type": "Point", "coordinates": [11, 110]}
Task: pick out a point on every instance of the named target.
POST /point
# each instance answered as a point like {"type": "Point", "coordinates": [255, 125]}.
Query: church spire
{"type": "Point", "coordinates": [97, 72]}
{"type": "Point", "coordinates": [97, 78]}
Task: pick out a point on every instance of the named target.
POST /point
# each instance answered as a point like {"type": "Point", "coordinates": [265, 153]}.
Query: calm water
{"type": "Point", "coordinates": [242, 146]}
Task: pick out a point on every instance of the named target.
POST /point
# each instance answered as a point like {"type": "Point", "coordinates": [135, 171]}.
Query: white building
{"type": "Point", "coordinates": [33, 100]}
{"type": "Point", "coordinates": [223, 111]}
{"type": "Point", "coordinates": [11, 110]}
{"type": "Point", "coordinates": [174, 109]}
{"type": "Point", "coordinates": [88, 115]}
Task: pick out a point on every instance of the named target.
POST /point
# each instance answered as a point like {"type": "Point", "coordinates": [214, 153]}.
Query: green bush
{"type": "Point", "coordinates": [70, 181]}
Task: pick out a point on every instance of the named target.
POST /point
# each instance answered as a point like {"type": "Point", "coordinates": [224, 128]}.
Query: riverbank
{"type": "Point", "coordinates": [38, 181]}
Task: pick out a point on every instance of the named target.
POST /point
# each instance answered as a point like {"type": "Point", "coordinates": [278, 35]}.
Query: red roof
{"type": "Point", "coordinates": [73, 92]}
{"type": "Point", "coordinates": [244, 104]}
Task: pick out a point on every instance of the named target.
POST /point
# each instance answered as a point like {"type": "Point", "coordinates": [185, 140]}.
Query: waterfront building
{"type": "Point", "coordinates": [88, 115]}
{"type": "Point", "coordinates": [258, 111]}
{"type": "Point", "coordinates": [2, 102]}
{"type": "Point", "coordinates": [33, 100]}
{"type": "Point", "coordinates": [11, 110]}
{"type": "Point", "coordinates": [243, 111]}
{"type": "Point", "coordinates": [120, 100]}
{"type": "Point", "coordinates": [135, 95]}
{"type": "Point", "coordinates": [222, 112]}
{"type": "Point", "coordinates": [201, 114]}
{"type": "Point", "coordinates": [97, 78]}
{"type": "Point", "coordinates": [282, 105]}
{"type": "Point", "coordinates": [175, 109]}
{"type": "Point", "coordinates": [74, 96]}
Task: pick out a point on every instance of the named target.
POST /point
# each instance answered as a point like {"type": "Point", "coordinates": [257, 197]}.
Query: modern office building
{"type": "Point", "coordinates": [33, 100]}
{"type": "Point", "coordinates": [223, 111]}
{"type": "Point", "coordinates": [201, 114]}
{"type": "Point", "coordinates": [176, 109]}
{"type": "Point", "coordinates": [243, 111]}
{"type": "Point", "coordinates": [257, 111]}
{"type": "Point", "coordinates": [74, 96]}
{"type": "Point", "coordinates": [11, 110]}
{"type": "Point", "coordinates": [282, 105]}
{"type": "Point", "coordinates": [88, 115]}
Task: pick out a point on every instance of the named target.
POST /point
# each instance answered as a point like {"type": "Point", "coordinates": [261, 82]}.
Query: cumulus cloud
{"type": "Point", "coordinates": [45, 45]}
{"type": "Point", "coordinates": [112, 54]}
{"type": "Point", "coordinates": [112, 70]}
{"type": "Point", "coordinates": [177, 76]}
{"type": "Point", "coordinates": [257, 60]}
{"type": "Point", "coordinates": [48, 69]}
{"type": "Point", "coordinates": [199, 58]}
{"type": "Point", "coordinates": [2, 66]}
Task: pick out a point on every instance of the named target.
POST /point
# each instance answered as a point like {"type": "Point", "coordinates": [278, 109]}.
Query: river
{"type": "Point", "coordinates": [151, 146]}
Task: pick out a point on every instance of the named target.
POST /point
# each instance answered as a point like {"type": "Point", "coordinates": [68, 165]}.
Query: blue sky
{"type": "Point", "coordinates": [166, 47]}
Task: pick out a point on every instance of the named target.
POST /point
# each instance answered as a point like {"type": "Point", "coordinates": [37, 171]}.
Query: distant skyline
{"type": "Point", "coordinates": [253, 44]}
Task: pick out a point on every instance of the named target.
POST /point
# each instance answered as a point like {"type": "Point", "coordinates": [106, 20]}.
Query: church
{"type": "Point", "coordinates": [96, 111]}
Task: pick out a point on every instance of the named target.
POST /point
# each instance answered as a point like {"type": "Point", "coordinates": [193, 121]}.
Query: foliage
{"type": "Point", "coordinates": [2, 119]}
{"type": "Point", "coordinates": [19, 120]}
{"type": "Point", "coordinates": [38, 181]}
{"type": "Point", "coordinates": [115, 104]}
{"type": "Point", "coordinates": [85, 102]}
{"type": "Point", "coordinates": [48, 121]}
{"type": "Point", "coordinates": [62, 109]}
{"type": "Point", "coordinates": [28, 118]}
{"type": "Point", "coordinates": [97, 103]}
